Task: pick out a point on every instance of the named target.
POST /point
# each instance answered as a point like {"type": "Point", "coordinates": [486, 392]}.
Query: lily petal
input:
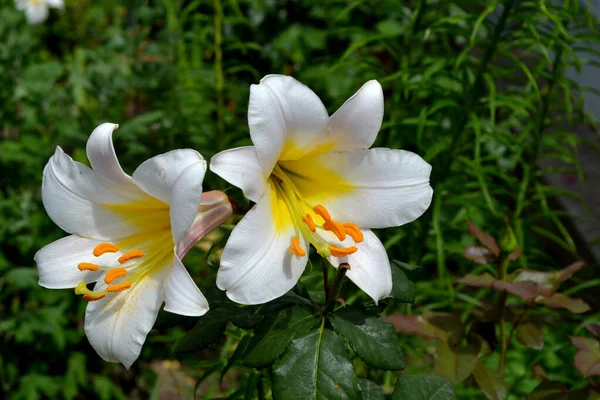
{"type": "Point", "coordinates": [117, 325]}
{"type": "Point", "coordinates": [241, 168]}
{"type": "Point", "coordinates": [215, 209]}
{"type": "Point", "coordinates": [370, 267]}
{"type": "Point", "coordinates": [181, 294]}
{"type": "Point", "coordinates": [284, 117]}
{"type": "Point", "coordinates": [175, 178]}
{"type": "Point", "coordinates": [77, 202]}
{"type": "Point", "coordinates": [57, 262]}
{"type": "Point", "coordinates": [356, 123]}
{"type": "Point", "coordinates": [376, 188]}
{"type": "Point", "coordinates": [256, 266]}
{"type": "Point", "coordinates": [103, 159]}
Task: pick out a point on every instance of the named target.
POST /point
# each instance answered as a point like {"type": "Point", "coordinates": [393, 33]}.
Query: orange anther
{"type": "Point", "coordinates": [87, 297]}
{"type": "Point", "coordinates": [114, 273]}
{"type": "Point", "coordinates": [105, 248]}
{"type": "Point", "coordinates": [130, 255]}
{"type": "Point", "coordinates": [322, 212]}
{"type": "Point", "coordinates": [354, 232]}
{"type": "Point", "coordinates": [337, 228]}
{"type": "Point", "coordinates": [88, 267]}
{"type": "Point", "coordinates": [295, 247]}
{"type": "Point", "coordinates": [307, 219]}
{"type": "Point", "coordinates": [119, 287]}
{"type": "Point", "coordinates": [342, 251]}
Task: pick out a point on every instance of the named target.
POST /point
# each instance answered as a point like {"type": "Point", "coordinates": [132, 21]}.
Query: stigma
{"type": "Point", "coordinates": [308, 220]}
{"type": "Point", "coordinates": [119, 275]}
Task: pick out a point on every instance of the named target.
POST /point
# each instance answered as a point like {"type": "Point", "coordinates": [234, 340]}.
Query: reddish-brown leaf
{"type": "Point", "coordinates": [527, 290]}
{"type": "Point", "coordinates": [514, 256]}
{"type": "Point", "coordinates": [490, 382]}
{"type": "Point", "coordinates": [587, 359]}
{"type": "Point", "coordinates": [558, 300]}
{"type": "Point", "coordinates": [479, 254]}
{"type": "Point", "coordinates": [486, 239]}
{"type": "Point", "coordinates": [417, 325]}
{"type": "Point", "coordinates": [530, 335]}
{"type": "Point", "coordinates": [594, 329]}
{"type": "Point", "coordinates": [455, 364]}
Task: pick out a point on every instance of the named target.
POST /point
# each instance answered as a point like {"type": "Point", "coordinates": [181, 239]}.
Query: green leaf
{"type": "Point", "coordinates": [316, 366]}
{"type": "Point", "coordinates": [212, 325]}
{"type": "Point", "coordinates": [401, 287]}
{"type": "Point", "coordinates": [423, 388]}
{"type": "Point", "coordinates": [369, 390]}
{"type": "Point", "coordinates": [274, 334]}
{"type": "Point", "coordinates": [375, 341]}
{"type": "Point", "coordinates": [490, 382]}
{"type": "Point", "coordinates": [455, 363]}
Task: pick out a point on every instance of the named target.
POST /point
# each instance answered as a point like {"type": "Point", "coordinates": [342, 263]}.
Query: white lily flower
{"type": "Point", "coordinates": [128, 234]}
{"type": "Point", "coordinates": [36, 11]}
{"type": "Point", "coordinates": [315, 182]}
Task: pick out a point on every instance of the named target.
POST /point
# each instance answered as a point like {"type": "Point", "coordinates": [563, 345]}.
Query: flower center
{"type": "Point", "coordinates": [304, 215]}
{"type": "Point", "coordinates": [126, 270]}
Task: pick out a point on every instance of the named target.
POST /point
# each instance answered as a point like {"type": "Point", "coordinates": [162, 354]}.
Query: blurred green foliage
{"type": "Point", "coordinates": [478, 88]}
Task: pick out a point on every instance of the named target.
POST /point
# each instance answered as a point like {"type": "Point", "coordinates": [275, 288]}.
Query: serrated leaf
{"type": "Point", "coordinates": [316, 366]}
{"type": "Point", "coordinates": [401, 287]}
{"type": "Point", "coordinates": [490, 382]}
{"type": "Point", "coordinates": [369, 390]}
{"type": "Point", "coordinates": [375, 341]}
{"type": "Point", "coordinates": [274, 334]}
{"type": "Point", "coordinates": [530, 335]}
{"type": "Point", "coordinates": [423, 388]}
{"type": "Point", "coordinates": [455, 364]}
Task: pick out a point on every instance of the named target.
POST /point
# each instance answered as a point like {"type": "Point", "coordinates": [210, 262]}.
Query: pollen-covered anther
{"type": "Point", "coordinates": [114, 273]}
{"type": "Point", "coordinates": [342, 251]}
{"type": "Point", "coordinates": [105, 248]}
{"type": "Point", "coordinates": [130, 255]}
{"type": "Point", "coordinates": [295, 247]}
{"type": "Point", "coordinates": [308, 220]}
{"type": "Point", "coordinates": [88, 267]}
{"type": "Point", "coordinates": [337, 229]}
{"type": "Point", "coordinates": [119, 287]}
{"type": "Point", "coordinates": [354, 232]}
{"type": "Point", "coordinates": [322, 212]}
{"type": "Point", "coordinates": [87, 297]}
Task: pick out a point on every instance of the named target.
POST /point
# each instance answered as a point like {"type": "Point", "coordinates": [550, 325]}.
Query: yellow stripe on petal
{"type": "Point", "coordinates": [291, 151]}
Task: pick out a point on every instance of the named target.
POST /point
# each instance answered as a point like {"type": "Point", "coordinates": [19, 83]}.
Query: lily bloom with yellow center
{"type": "Point", "coordinates": [315, 182]}
{"type": "Point", "coordinates": [36, 11]}
{"type": "Point", "coordinates": [128, 234]}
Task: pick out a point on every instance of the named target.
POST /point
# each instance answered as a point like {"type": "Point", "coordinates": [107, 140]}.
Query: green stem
{"type": "Point", "coordinates": [530, 166]}
{"type": "Point", "coordinates": [219, 75]}
{"type": "Point", "coordinates": [440, 172]}
{"type": "Point", "coordinates": [502, 273]}
{"type": "Point", "coordinates": [333, 292]}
